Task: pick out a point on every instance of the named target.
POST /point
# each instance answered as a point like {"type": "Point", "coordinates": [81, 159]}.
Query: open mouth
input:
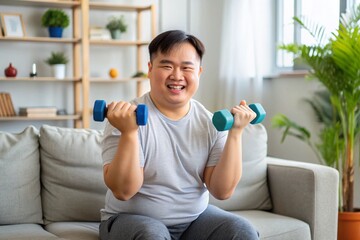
{"type": "Point", "coordinates": [175, 87]}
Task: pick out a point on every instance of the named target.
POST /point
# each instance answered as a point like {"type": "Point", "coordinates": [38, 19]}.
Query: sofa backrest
{"type": "Point", "coordinates": [20, 199]}
{"type": "Point", "coordinates": [252, 191]}
{"type": "Point", "coordinates": [71, 181]}
{"type": "Point", "coordinates": [71, 174]}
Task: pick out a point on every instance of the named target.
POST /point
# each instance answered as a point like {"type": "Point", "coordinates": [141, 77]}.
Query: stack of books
{"type": "Point", "coordinates": [38, 111]}
{"type": "Point", "coordinates": [99, 33]}
{"type": "Point", "coordinates": [6, 105]}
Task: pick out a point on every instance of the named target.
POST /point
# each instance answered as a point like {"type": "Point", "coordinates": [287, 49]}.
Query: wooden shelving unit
{"type": "Point", "coordinates": [42, 3]}
{"type": "Point", "coordinates": [38, 79]}
{"type": "Point", "coordinates": [138, 43]}
{"type": "Point", "coordinates": [74, 41]}
{"type": "Point", "coordinates": [81, 43]}
{"type": "Point", "coordinates": [57, 118]}
{"type": "Point", "coordinates": [117, 80]}
{"type": "Point", "coordinates": [40, 39]}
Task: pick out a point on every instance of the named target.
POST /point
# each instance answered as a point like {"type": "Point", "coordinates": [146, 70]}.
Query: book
{"type": "Point", "coordinates": [39, 109]}
{"type": "Point", "coordinates": [99, 33]}
{"type": "Point", "coordinates": [2, 107]}
{"type": "Point", "coordinates": [38, 115]}
{"type": "Point", "coordinates": [10, 104]}
{"type": "Point", "coordinates": [6, 105]}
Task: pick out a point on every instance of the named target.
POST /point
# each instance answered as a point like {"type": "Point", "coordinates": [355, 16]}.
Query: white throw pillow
{"type": "Point", "coordinates": [72, 176]}
{"type": "Point", "coordinates": [252, 192]}
{"type": "Point", "coordinates": [20, 200]}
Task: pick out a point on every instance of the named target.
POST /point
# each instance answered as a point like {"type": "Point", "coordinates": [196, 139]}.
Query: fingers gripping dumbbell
{"type": "Point", "coordinates": [223, 120]}
{"type": "Point", "coordinates": [100, 111]}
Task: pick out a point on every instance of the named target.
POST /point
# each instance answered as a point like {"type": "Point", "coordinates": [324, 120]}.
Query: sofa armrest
{"type": "Point", "coordinates": [305, 191]}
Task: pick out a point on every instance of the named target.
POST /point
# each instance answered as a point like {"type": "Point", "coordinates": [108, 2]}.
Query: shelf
{"type": "Point", "coordinates": [118, 42]}
{"type": "Point", "coordinates": [294, 74]}
{"type": "Point", "coordinates": [81, 44]}
{"type": "Point", "coordinates": [41, 39]}
{"type": "Point", "coordinates": [120, 80]}
{"type": "Point", "coordinates": [41, 3]}
{"type": "Point", "coordinates": [57, 118]}
{"type": "Point", "coordinates": [117, 7]}
{"type": "Point", "coordinates": [39, 79]}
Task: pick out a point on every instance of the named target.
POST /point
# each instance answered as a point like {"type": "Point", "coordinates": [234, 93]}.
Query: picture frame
{"type": "Point", "coordinates": [13, 25]}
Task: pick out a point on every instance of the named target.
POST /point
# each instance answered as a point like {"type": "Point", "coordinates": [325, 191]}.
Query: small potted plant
{"type": "Point", "coordinates": [116, 26]}
{"type": "Point", "coordinates": [58, 61]}
{"type": "Point", "coordinates": [56, 20]}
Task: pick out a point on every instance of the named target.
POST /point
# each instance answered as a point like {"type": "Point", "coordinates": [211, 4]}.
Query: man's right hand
{"type": "Point", "coordinates": [122, 116]}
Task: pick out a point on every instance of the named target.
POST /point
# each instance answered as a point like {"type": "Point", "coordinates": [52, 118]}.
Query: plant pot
{"type": "Point", "coordinates": [59, 71]}
{"type": "Point", "coordinates": [349, 225]}
{"type": "Point", "coordinates": [55, 32]}
{"type": "Point", "coordinates": [115, 34]}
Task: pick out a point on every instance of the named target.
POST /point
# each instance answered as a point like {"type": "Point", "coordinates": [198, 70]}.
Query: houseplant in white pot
{"type": "Point", "coordinates": [336, 64]}
{"type": "Point", "coordinates": [58, 61]}
{"type": "Point", "coordinates": [116, 26]}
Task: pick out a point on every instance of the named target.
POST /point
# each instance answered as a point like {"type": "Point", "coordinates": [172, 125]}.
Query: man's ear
{"type": "Point", "coordinates": [200, 70]}
{"type": "Point", "coordinates": [150, 66]}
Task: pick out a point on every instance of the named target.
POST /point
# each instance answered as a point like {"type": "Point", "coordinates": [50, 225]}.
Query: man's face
{"type": "Point", "coordinates": [174, 77]}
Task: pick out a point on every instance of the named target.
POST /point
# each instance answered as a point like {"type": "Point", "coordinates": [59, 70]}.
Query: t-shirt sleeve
{"type": "Point", "coordinates": [217, 149]}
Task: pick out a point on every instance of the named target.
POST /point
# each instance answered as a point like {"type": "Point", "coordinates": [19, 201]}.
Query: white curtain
{"type": "Point", "coordinates": [241, 55]}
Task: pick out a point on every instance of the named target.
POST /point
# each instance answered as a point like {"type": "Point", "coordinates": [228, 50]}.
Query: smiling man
{"type": "Point", "coordinates": [160, 175]}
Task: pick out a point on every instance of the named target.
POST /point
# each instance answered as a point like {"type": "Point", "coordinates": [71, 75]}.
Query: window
{"type": "Point", "coordinates": [323, 12]}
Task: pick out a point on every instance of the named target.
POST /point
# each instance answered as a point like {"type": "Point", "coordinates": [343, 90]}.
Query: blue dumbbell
{"type": "Point", "coordinates": [100, 111]}
{"type": "Point", "coordinates": [223, 120]}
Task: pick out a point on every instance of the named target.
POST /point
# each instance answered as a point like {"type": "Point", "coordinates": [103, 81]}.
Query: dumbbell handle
{"type": "Point", "coordinates": [100, 111]}
{"type": "Point", "coordinates": [223, 120]}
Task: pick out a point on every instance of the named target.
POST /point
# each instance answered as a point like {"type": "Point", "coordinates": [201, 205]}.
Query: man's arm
{"type": "Point", "coordinates": [222, 179]}
{"type": "Point", "coordinates": [124, 176]}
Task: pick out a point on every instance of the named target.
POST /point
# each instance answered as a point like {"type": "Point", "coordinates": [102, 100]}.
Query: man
{"type": "Point", "coordinates": [159, 175]}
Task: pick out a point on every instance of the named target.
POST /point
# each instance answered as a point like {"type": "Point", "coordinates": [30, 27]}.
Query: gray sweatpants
{"type": "Point", "coordinates": [214, 223]}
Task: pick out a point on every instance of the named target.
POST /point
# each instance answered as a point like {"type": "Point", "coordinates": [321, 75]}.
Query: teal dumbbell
{"type": "Point", "coordinates": [100, 111]}
{"type": "Point", "coordinates": [223, 120]}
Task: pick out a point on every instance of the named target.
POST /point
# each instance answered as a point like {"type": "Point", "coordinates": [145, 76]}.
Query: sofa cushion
{"type": "Point", "coordinates": [252, 191]}
{"type": "Point", "coordinates": [25, 232]}
{"type": "Point", "coordinates": [276, 227]}
{"type": "Point", "coordinates": [20, 200]}
{"type": "Point", "coordinates": [75, 230]}
{"type": "Point", "coordinates": [72, 177]}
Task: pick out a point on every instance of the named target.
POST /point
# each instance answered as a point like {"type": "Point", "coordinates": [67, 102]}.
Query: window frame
{"type": "Point", "coordinates": [279, 64]}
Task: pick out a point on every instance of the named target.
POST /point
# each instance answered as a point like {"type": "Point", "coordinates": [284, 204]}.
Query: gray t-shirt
{"type": "Point", "coordinates": [174, 155]}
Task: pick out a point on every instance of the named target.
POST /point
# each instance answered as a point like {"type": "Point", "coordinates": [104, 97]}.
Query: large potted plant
{"type": "Point", "coordinates": [116, 26]}
{"type": "Point", "coordinates": [336, 64]}
{"type": "Point", "coordinates": [56, 20]}
{"type": "Point", "coordinates": [58, 61]}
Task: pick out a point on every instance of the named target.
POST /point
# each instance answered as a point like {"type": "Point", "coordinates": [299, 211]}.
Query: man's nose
{"type": "Point", "coordinates": [177, 75]}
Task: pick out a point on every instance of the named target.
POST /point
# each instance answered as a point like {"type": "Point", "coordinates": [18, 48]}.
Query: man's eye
{"type": "Point", "coordinates": [167, 67]}
{"type": "Point", "coordinates": [188, 68]}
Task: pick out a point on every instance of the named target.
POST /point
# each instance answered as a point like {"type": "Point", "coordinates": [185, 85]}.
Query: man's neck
{"type": "Point", "coordinates": [173, 112]}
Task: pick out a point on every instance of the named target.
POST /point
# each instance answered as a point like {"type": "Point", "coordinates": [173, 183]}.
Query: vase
{"type": "Point", "coordinates": [59, 71]}
{"type": "Point", "coordinates": [349, 225]}
{"type": "Point", "coordinates": [10, 71]}
{"type": "Point", "coordinates": [115, 34]}
{"type": "Point", "coordinates": [55, 32]}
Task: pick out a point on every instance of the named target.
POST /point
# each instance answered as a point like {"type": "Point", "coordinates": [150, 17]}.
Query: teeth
{"type": "Point", "coordinates": [176, 87]}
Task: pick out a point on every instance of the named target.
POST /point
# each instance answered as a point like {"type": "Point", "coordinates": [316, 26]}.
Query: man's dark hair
{"type": "Point", "coordinates": [165, 41]}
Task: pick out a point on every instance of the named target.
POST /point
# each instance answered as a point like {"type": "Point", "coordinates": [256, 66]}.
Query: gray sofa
{"type": "Point", "coordinates": [51, 187]}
